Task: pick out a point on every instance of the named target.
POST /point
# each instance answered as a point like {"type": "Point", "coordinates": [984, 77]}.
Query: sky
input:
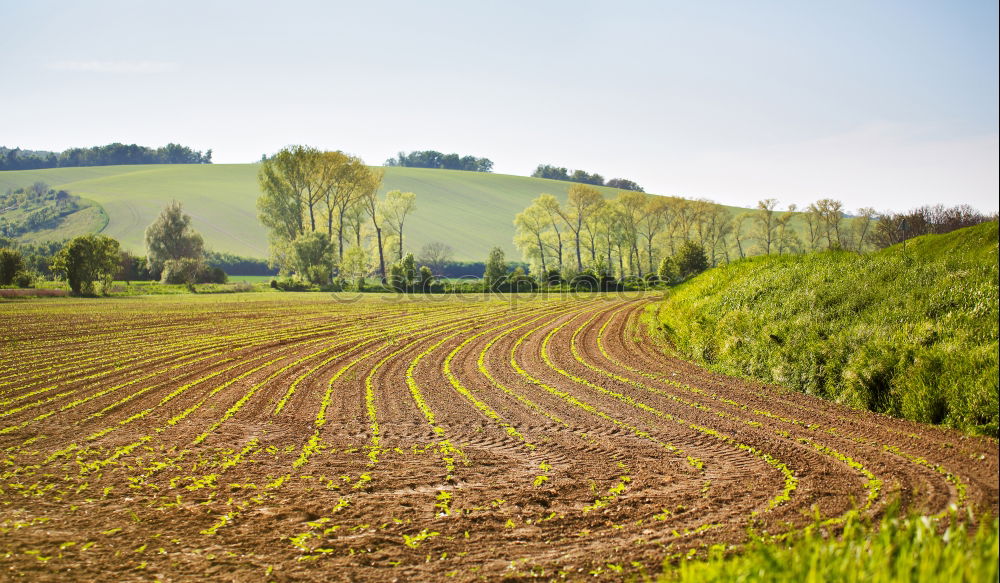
{"type": "Point", "coordinates": [887, 104]}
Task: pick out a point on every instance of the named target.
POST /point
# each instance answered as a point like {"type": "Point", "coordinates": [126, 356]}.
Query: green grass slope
{"type": "Point", "coordinates": [899, 550]}
{"type": "Point", "coordinates": [471, 211]}
{"type": "Point", "coordinates": [911, 332]}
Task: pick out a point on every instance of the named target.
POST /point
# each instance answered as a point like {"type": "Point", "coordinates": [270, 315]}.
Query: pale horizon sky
{"type": "Point", "coordinates": [887, 104]}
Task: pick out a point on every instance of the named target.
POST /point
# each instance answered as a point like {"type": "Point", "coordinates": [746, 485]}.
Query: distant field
{"type": "Point", "coordinates": [471, 211]}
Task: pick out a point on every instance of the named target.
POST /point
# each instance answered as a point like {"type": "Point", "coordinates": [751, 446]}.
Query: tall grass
{"type": "Point", "coordinates": [898, 550]}
{"type": "Point", "coordinates": [909, 332]}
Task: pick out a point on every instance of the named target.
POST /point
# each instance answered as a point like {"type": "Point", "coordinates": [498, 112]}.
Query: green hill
{"type": "Point", "coordinates": [910, 332]}
{"type": "Point", "coordinates": [471, 211]}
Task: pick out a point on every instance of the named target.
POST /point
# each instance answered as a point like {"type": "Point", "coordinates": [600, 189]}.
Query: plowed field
{"type": "Point", "coordinates": [301, 438]}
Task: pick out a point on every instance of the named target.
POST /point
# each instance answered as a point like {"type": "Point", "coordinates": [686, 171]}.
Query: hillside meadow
{"type": "Point", "coordinates": [909, 331]}
{"type": "Point", "coordinates": [471, 211]}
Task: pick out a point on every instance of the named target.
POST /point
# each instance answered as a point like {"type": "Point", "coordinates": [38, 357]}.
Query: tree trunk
{"type": "Point", "coordinates": [340, 232]}
{"type": "Point", "coordinates": [579, 261]}
{"type": "Point", "coordinates": [381, 255]}
{"type": "Point", "coordinates": [649, 250]}
{"type": "Point", "coordinates": [541, 253]}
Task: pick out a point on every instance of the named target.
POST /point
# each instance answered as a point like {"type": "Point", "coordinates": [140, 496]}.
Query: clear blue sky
{"type": "Point", "coordinates": [888, 104]}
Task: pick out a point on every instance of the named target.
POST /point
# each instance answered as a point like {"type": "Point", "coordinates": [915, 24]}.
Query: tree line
{"type": "Point", "coordinates": [435, 159]}
{"type": "Point", "coordinates": [111, 154]}
{"type": "Point", "coordinates": [595, 179]}
{"type": "Point", "coordinates": [648, 236]}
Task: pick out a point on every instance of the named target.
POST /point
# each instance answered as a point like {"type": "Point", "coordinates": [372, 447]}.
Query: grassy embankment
{"type": "Point", "coordinates": [909, 332]}
{"type": "Point", "coordinates": [898, 551]}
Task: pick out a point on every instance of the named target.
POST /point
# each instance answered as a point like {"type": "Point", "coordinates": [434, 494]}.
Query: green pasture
{"type": "Point", "coordinates": [471, 211]}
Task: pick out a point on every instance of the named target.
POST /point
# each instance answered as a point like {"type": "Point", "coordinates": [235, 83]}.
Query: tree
{"type": "Point", "coordinates": [814, 225]}
{"type": "Point", "coordinates": [550, 206]}
{"type": "Point", "coordinates": [667, 271]}
{"type": "Point", "coordinates": [631, 205]}
{"type": "Point", "coordinates": [356, 264]}
{"type": "Point", "coordinates": [862, 227]}
{"type": "Point", "coordinates": [396, 281]}
{"type": "Point", "coordinates": [656, 215]}
{"type": "Point", "coordinates": [623, 184]}
{"type": "Point", "coordinates": [582, 201]}
{"type": "Point", "coordinates": [766, 223]}
{"type": "Point", "coordinates": [532, 224]}
{"type": "Point", "coordinates": [786, 237]}
{"type": "Point", "coordinates": [691, 259]}
{"type": "Point", "coordinates": [86, 259]}
{"type": "Point", "coordinates": [425, 279]}
{"type": "Point", "coordinates": [716, 224]}
{"type": "Point", "coordinates": [395, 209]}
{"type": "Point", "coordinates": [369, 200]}
{"type": "Point", "coordinates": [496, 270]}
{"type": "Point", "coordinates": [354, 221]}
{"type": "Point", "coordinates": [550, 172]}
{"type": "Point", "coordinates": [435, 159]}
{"type": "Point", "coordinates": [435, 255]}
{"type": "Point", "coordinates": [281, 205]}
{"type": "Point", "coordinates": [185, 271]}
{"type": "Point", "coordinates": [298, 186]}
{"type": "Point", "coordinates": [409, 265]}
{"type": "Point", "coordinates": [343, 200]}
{"type": "Point", "coordinates": [11, 263]}
{"type": "Point", "coordinates": [828, 213]}
{"type": "Point", "coordinates": [313, 257]}
{"type": "Point", "coordinates": [170, 237]}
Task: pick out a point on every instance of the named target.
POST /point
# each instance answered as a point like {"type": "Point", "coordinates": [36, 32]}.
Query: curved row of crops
{"type": "Point", "coordinates": [291, 437]}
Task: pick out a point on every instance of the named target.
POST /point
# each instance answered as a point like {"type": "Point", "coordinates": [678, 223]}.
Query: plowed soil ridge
{"type": "Point", "coordinates": [296, 438]}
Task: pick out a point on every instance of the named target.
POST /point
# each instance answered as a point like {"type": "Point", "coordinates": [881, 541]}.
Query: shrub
{"type": "Point", "coordinates": [86, 259]}
{"type": "Point", "coordinates": [312, 256]}
{"type": "Point", "coordinates": [668, 270]}
{"type": "Point", "coordinates": [290, 284]}
{"type": "Point", "coordinates": [24, 279]}
{"type": "Point", "coordinates": [11, 263]}
{"type": "Point", "coordinates": [691, 259]}
{"type": "Point", "coordinates": [210, 274]}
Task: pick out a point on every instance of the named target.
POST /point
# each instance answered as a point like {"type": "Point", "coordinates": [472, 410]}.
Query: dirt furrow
{"type": "Point", "coordinates": [462, 438]}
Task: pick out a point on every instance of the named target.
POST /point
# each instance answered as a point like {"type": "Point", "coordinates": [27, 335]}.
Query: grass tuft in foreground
{"type": "Point", "coordinates": [908, 332]}
{"type": "Point", "coordinates": [899, 550]}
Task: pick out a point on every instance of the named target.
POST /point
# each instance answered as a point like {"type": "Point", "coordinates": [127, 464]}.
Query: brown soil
{"type": "Point", "coordinates": [544, 439]}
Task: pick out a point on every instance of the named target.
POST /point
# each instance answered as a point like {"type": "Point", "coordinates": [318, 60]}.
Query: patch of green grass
{"type": "Point", "coordinates": [911, 333]}
{"type": "Point", "coordinates": [91, 219]}
{"type": "Point", "coordinates": [898, 550]}
{"type": "Point", "coordinates": [265, 279]}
